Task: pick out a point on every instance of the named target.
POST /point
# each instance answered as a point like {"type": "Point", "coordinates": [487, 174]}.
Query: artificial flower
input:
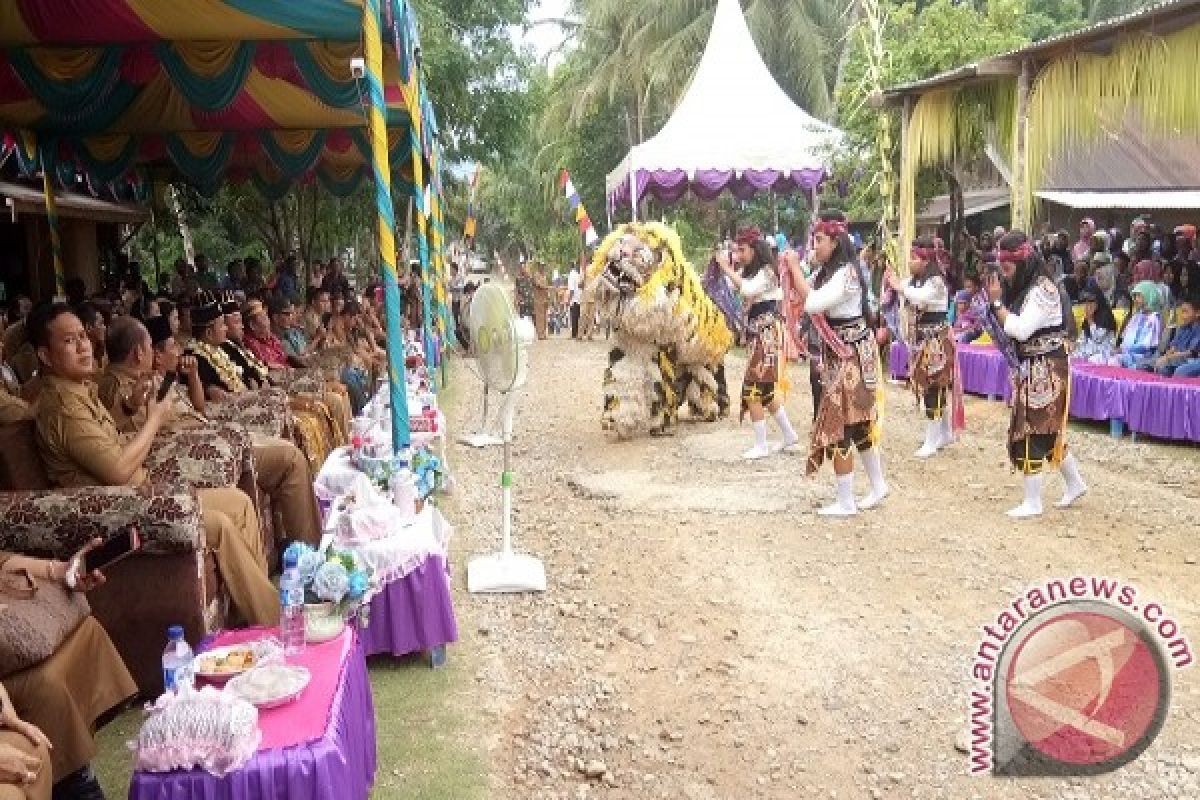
{"type": "Point", "coordinates": [331, 582]}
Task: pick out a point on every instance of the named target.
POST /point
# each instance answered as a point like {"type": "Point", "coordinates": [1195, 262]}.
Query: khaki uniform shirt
{"type": "Point", "coordinates": [117, 384]}
{"type": "Point", "coordinates": [77, 436]}
{"type": "Point", "coordinates": [13, 408]}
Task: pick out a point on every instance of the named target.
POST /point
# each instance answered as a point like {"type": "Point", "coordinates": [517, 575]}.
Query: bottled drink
{"type": "Point", "coordinates": [291, 617]}
{"type": "Point", "coordinates": [177, 661]}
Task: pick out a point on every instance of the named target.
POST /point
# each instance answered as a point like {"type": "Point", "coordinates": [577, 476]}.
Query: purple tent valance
{"type": "Point", "coordinates": [670, 185]}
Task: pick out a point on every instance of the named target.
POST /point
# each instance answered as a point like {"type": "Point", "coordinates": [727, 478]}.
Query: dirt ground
{"type": "Point", "coordinates": [706, 635]}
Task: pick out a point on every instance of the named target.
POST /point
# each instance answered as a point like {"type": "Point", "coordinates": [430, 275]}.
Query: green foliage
{"type": "Point", "coordinates": [474, 73]}
{"type": "Point", "coordinates": [940, 36]}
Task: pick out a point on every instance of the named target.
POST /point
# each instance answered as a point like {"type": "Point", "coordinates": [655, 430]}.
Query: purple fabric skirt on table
{"type": "Point", "coordinates": [984, 371]}
{"type": "Point", "coordinates": [1097, 395]}
{"type": "Point", "coordinates": [340, 764]}
{"type": "Point", "coordinates": [898, 360]}
{"type": "Point", "coordinates": [413, 613]}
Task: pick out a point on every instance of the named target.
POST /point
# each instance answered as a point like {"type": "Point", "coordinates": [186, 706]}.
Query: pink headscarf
{"type": "Point", "coordinates": [1084, 246]}
{"type": "Point", "coordinates": [1147, 270]}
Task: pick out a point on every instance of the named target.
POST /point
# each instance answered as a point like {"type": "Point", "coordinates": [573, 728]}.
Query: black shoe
{"type": "Point", "coordinates": [79, 785]}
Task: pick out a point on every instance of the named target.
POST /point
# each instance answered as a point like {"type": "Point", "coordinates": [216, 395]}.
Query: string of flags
{"type": "Point", "coordinates": [470, 225]}
{"type": "Point", "coordinates": [581, 216]}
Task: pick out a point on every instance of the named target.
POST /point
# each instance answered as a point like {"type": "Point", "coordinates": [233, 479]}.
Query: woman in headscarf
{"type": "Point", "coordinates": [933, 372]}
{"type": "Point", "coordinates": [1026, 305]}
{"type": "Point", "coordinates": [1098, 334]}
{"type": "Point", "coordinates": [837, 303]}
{"type": "Point", "coordinates": [1083, 247]}
{"type": "Point", "coordinates": [1140, 335]}
{"type": "Point", "coordinates": [758, 283]}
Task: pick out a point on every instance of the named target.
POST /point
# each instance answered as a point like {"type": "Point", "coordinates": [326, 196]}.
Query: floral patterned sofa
{"type": "Point", "coordinates": [174, 579]}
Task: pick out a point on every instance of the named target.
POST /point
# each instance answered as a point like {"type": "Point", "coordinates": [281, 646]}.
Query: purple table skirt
{"type": "Point", "coordinates": [412, 614]}
{"type": "Point", "coordinates": [898, 360]}
{"type": "Point", "coordinates": [984, 371]}
{"type": "Point", "coordinates": [1098, 397]}
{"type": "Point", "coordinates": [1166, 409]}
{"type": "Point", "coordinates": [340, 764]}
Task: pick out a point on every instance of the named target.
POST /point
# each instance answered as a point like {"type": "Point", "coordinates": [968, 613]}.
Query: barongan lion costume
{"type": "Point", "coordinates": [671, 339]}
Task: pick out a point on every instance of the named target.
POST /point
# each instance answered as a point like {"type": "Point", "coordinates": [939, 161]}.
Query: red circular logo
{"type": "Point", "coordinates": [1087, 688]}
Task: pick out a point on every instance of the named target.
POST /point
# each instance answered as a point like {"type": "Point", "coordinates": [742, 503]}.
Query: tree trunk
{"type": "Point", "coordinates": [185, 231]}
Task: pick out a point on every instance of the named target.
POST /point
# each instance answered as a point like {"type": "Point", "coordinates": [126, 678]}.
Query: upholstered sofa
{"type": "Point", "coordinates": [174, 579]}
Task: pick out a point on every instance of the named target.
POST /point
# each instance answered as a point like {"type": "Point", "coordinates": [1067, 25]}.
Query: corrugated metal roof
{"type": "Point", "coordinates": [30, 200]}
{"type": "Point", "coordinates": [1189, 10]}
{"type": "Point", "coordinates": [1127, 159]}
{"type": "Point", "coordinates": [975, 201]}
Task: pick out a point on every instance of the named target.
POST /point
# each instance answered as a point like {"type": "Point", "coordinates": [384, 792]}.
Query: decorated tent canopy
{"type": "Point", "coordinates": [272, 91]}
{"type": "Point", "coordinates": [708, 146]}
{"type": "Point", "coordinates": [260, 90]}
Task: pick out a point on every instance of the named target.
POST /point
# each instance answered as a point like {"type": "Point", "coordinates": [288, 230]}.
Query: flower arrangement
{"type": "Point", "coordinates": [333, 576]}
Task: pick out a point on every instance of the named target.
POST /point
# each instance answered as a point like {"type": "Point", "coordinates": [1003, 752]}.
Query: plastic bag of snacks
{"type": "Point", "coordinates": [213, 730]}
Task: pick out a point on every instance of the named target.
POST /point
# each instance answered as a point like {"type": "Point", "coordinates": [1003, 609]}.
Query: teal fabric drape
{"type": "Point", "coordinates": [272, 189]}
{"type": "Point", "coordinates": [205, 172]}
{"type": "Point", "coordinates": [102, 172]}
{"type": "Point", "coordinates": [292, 165]}
{"type": "Point", "coordinates": [339, 188]}
{"type": "Point", "coordinates": [87, 104]}
{"type": "Point", "coordinates": [207, 94]}
{"type": "Point", "coordinates": [339, 94]}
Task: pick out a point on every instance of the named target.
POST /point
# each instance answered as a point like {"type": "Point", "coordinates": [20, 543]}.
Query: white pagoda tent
{"type": "Point", "coordinates": [707, 147]}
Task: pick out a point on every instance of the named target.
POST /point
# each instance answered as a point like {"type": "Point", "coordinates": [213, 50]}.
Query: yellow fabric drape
{"type": "Point", "coordinates": [289, 106]}
{"type": "Point", "coordinates": [64, 63]}
{"type": "Point", "coordinates": [207, 59]}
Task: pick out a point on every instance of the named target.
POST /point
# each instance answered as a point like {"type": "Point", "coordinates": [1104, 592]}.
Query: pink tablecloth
{"type": "Point", "coordinates": [321, 746]}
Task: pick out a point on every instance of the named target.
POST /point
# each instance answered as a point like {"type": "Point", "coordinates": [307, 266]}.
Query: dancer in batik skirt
{"type": "Point", "coordinates": [762, 388]}
{"type": "Point", "coordinates": [848, 415]}
{"type": "Point", "coordinates": [1026, 306]}
{"type": "Point", "coordinates": [934, 373]}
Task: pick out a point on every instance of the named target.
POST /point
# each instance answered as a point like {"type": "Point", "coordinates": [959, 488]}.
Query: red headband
{"type": "Point", "coordinates": [832, 228]}
{"type": "Point", "coordinates": [748, 235]}
{"type": "Point", "coordinates": [1015, 256]}
{"type": "Point", "coordinates": [924, 253]}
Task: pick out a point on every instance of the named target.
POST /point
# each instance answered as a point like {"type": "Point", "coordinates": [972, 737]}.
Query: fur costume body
{"type": "Point", "coordinates": [671, 338]}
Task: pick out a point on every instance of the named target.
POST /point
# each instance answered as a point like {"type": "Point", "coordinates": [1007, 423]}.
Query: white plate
{"type": "Point", "coordinates": [220, 652]}
{"type": "Point", "coordinates": [270, 686]}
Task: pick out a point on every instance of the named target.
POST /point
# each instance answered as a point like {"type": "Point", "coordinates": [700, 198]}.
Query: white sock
{"type": "Point", "coordinates": [760, 449]}
{"type": "Point", "coordinates": [1075, 487]}
{"type": "Point", "coordinates": [760, 433]}
{"type": "Point", "coordinates": [785, 425]}
{"type": "Point", "coordinates": [873, 464]}
{"type": "Point", "coordinates": [946, 429]}
{"type": "Point", "coordinates": [844, 505]}
{"type": "Point", "coordinates": [1032, 506]}
{"type": "Point", "coordinates": [932, 434]}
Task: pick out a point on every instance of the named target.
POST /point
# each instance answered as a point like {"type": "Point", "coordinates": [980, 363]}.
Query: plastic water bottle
{"type": "Point", "coordinates": [177, 661]}
{"type": "Point", "coordinates": [291, 616]}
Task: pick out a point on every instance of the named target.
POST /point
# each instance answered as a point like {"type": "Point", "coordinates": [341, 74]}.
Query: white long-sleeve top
{"type": "Point", "coordinates": [840, 297]}
{"type": "Point", "coordinates": [932, 296]}
{"type": "Point", "coordinates": [1040, 309]}
{"type": "Point", "coordinates": [762, 287]}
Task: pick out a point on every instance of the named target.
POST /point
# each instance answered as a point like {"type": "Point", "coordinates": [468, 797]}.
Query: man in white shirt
{"type": "Point", "coordinates": [575, 288]}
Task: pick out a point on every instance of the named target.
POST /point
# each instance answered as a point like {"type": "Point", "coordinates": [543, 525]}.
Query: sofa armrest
{"type": "Point", "coordinates": [209, 457]}
{"type": "Point", "coordinates": [56, 523]}
{"type": "Point", "coordinates": [265, 411]}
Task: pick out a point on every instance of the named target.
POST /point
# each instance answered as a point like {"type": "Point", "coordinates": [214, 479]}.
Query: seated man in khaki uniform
{"type": "Point", "coordinates": [139, 355]}
{"type": "Point", "coordinates": [80, 444]}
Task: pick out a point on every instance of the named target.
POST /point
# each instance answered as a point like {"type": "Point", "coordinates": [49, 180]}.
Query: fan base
{"type": "Point", "coordinates": [505, 573]}
{"type": "Point", "coordinates": [481, 440]}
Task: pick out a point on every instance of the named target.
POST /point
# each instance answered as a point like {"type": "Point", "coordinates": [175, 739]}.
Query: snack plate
{"type": "Point", "coordinates": [270, 686]}
{"type": "Point", "coordinates": [220, 676]}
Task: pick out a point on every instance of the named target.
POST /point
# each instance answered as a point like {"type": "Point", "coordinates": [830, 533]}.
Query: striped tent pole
{"type": "Point", "coordinates": [386, 219]}
{"type": "Point", "coordinates": [60, 290]}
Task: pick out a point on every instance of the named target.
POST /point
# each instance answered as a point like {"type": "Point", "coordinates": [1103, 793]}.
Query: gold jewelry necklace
{"type": "Point", "coordinates": [229, 372]}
